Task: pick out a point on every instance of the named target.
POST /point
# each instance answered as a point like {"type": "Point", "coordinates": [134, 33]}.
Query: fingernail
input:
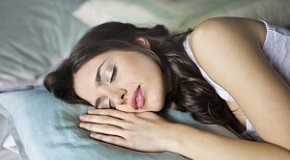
{"type": "Point", "coordinates": [93, 135]}
{"type": "Point", "coordinates": [81, 125]}
{"type": "Point", "coordinates": [91, 111]}
{"type": "Point", "coordinates": [82, 116]}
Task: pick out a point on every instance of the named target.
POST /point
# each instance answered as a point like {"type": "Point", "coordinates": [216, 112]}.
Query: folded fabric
{"type": "Point", "coordinates": [10, 144]}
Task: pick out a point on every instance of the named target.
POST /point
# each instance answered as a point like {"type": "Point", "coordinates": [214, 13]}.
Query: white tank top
{"type": "Point", "coordinates": [277, 50]}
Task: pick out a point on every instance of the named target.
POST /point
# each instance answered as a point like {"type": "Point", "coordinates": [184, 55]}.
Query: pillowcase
{"type": "Point", "coordinates": [180, 15]}
{"type": "Point", "coordinates": [46, 128]}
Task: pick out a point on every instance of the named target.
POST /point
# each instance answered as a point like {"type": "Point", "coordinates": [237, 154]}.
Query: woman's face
{"type": "Point", "coordinates": [125, 80]}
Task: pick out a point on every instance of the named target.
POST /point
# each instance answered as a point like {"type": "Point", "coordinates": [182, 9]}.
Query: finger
{"type": "Point", "coordinates": [113, 113]}
{"type": "Point", "coordinates": [102, 128]}
{"type": "Point", "coordinates": [102, 119]}
{"type": "Point", "coordinates": [111, 139]}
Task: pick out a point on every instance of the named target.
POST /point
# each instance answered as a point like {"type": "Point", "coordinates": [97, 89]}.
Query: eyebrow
{"type": "Point", "coordinates": [98, 81]}
{"type": "Point", "coordinates": [98, 76]}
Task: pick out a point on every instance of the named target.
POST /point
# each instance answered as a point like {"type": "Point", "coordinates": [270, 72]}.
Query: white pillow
{"type": "Point", "coordinates": [180, 15]}
{"type": "Point", "coordinates": [94, 12]}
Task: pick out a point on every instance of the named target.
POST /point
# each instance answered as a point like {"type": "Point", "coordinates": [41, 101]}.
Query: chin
{"type": "Point", "coordinates": [151, 109]}
{"type": "Point", "coordinates": [156, 105]}
{"type": "Point", "coordinates": [157, 109]}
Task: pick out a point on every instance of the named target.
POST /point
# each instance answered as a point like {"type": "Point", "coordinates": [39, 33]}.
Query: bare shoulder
{"type": "Point", "coordinates": [222, 39]}
{"type": "Point", "coordinates": [250, 29]}
{"type": "Point", "coordinates": [229, 51]}
{"type": "Point", "coordinates": [217, 43]}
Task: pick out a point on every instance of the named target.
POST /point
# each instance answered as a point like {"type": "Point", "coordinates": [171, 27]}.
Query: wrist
{"type": "Point", "coordinates": [172, 139]}
{"type": "Point", "coordinates": [185, 140]}
{"type": "Point", "coordinates": [179, 137]}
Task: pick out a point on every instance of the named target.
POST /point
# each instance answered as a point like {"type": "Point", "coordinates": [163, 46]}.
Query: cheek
{"type": "Point", "coordinates": [129, 74]}
{"type": "Point", "coordinates": [155, 99]}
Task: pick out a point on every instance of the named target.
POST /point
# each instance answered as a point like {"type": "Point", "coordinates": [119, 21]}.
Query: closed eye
{"type": "Point", "coordinates": [114, 74]}
{"type": "Point", "coordinates": [98, 102]}
{"type": "Point", "coordinates": [109, 103]}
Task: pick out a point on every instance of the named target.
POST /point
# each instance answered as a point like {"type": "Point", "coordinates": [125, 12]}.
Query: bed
{"type": "Point", "coordinates": [36, 35]}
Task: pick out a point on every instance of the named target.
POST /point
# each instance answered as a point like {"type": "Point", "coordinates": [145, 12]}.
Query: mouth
{"type": "Point", "coordinates": [137, 101]}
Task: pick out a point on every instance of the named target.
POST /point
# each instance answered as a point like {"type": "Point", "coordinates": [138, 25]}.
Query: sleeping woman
{"type": "Point", "coordinates": [228, 71]}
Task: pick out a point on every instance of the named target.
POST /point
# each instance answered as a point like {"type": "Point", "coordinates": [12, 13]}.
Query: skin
{"type": "Point", "coordinates": [220, 45]}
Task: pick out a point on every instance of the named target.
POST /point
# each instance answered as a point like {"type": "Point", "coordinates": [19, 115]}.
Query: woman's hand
{"type": "Point", "coordinates": [139, 131]}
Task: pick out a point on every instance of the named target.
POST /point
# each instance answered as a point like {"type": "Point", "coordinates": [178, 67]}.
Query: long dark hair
{"type": "Point", "coordinates": [190, 91]}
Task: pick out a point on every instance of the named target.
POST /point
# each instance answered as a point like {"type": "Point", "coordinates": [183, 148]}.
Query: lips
{"type": "Point", "coordinates": [137, 101]}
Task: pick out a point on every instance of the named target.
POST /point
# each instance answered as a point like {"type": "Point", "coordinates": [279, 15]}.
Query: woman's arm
{"type": "Point", "coordinates": [229, 50]}
{"type": "Point", "coordinates": [200, 145]}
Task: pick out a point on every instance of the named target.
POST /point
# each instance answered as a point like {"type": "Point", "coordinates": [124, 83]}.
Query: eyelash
{"type": "Point", "coordinates": [114, 73]}
{"type": "Point", "coordinates": [110, 104]}
{"type": "Point", "coordinates": [113, 77]}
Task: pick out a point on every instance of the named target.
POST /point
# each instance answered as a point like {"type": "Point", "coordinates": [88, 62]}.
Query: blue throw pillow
{"type": "Point", "coordinates": [45, 128]}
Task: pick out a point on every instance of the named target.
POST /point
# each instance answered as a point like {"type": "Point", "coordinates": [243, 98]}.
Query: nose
{"type": "Point", "coordinates": [116, 95]}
